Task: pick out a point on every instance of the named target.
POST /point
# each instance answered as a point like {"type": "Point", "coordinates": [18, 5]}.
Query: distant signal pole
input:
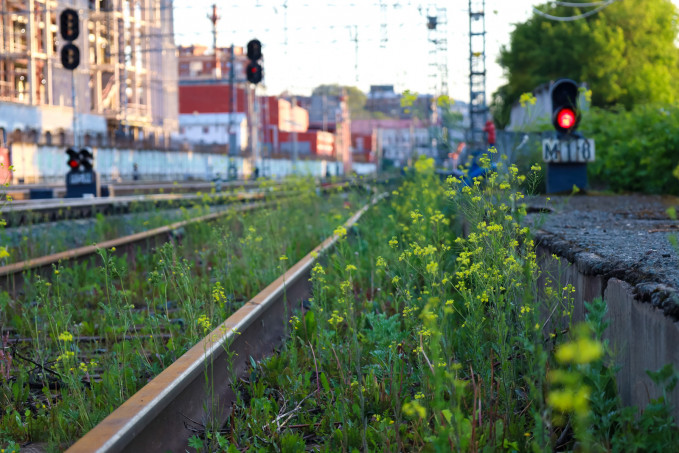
{"type": "Point", "coordinates": [214, 18]}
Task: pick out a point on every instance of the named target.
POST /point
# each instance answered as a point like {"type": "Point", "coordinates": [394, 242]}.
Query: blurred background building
{"type": "Point", "coordinates": [126, 82]}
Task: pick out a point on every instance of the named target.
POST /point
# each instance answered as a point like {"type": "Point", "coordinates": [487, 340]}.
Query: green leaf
{"type": "Point", "coordinates": [447, 414]}
{"type": "Point", "coordinates": [325, 383]}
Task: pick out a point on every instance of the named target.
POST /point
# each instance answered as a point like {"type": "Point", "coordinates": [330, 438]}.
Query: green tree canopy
{"type": "Point", "coordinates": [626, 54]}
{"type": "Point", "coordinates": [356, 98]}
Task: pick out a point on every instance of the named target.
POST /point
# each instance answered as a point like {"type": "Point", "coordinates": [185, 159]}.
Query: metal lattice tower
{"type": "Point", "coordinates": [478, 110]}
{"type": "Point", "coordinates": [384, 32]}
{"type": "Point", "coordinates": [437, 26]}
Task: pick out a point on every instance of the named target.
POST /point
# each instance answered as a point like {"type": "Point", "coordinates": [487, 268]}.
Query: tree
{"type": "Point", "coordinates": [356, 98]}
{"type": "Point", "coordinates": [625, 53]}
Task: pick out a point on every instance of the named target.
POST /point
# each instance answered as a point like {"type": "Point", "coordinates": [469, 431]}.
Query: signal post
{"type": "Point", "coordinates": [567, 151]}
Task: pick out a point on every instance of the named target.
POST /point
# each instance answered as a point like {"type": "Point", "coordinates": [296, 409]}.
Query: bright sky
{"type": "Point", "coordinates": [320, 39]}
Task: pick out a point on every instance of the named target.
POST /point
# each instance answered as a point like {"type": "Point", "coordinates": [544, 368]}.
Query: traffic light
{"type": "Point", "coordinates": [253, 71]}
{"type": "Point", "coordinates": [565, 113]}
{"type": "Point", "coordinates": [73, 161]}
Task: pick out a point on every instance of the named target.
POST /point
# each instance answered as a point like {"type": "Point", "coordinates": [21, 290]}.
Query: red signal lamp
{"type": "Point", "coordinates": [566, 118]}
{"type": "Point", "coordinates": [74, 164]}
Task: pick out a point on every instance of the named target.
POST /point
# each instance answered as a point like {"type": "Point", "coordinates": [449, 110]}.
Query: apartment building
{"type": "Point", "coordinates": [125, 85]}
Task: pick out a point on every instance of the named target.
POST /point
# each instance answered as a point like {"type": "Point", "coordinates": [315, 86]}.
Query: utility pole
{"type": "Point", "coordinates": [214, 18]}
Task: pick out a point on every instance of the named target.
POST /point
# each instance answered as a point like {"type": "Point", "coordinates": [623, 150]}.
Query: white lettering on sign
{"type": "Point", "coordinates": [574, 150]}
{"type": "Point", "coordinates": [80, 178]}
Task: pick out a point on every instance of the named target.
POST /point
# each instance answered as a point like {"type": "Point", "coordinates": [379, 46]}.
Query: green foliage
{"type": "Point", "coordinates": [426, 341]}
{"type": "Point", "coordinates": [143, 314]}
{"type": "Point", "coordinates": [356, 98]}
{"type": "Point", "coordinates": [626, 54]}
{"type": "Point", "coordinates": [636, 150]}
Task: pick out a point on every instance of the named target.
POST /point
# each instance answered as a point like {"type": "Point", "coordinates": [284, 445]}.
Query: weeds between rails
{"type": "Point", "coordinates": [48, 387]}
{"type": "Point", "coordinates": [40, 239]}
{"type": "Point", "coordinates": [417, 339]}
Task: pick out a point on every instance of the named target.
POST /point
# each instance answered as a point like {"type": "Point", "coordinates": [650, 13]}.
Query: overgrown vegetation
{"type": "Point", "coordinates": [417, 339]}
{"type": "Point", "coordinates": [626, 53]}
{"type": "Point", "coordinates": [636, 150]}
{"type": "Point", "coordinates": [79, 343]}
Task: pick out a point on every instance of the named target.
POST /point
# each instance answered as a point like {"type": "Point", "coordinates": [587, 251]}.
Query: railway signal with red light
{"type": "Point", "coordinates": [73, 161]}
{"type": "Point", "coordinates": [254, 72]}
{"type": "Point", "coordinates": [565, 113]}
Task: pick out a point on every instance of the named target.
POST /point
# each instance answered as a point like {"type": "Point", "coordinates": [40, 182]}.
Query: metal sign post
{"type": "Point", "coordinates": [75, 110]}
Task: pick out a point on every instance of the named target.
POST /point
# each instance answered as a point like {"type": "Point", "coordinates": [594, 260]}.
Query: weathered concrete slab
{"type": "Point", "coordinates": [618, 248]}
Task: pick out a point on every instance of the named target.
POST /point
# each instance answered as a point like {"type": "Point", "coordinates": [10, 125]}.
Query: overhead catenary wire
{"type": "Point", "coordinates": [601, 6]}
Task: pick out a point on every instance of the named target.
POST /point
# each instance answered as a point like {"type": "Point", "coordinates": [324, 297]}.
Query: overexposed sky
{"type": "Point", "coordinates": [320, 39]}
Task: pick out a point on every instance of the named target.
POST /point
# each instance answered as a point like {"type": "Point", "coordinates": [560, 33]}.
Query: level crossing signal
{"type": "Point", "coordinates": [254, 71]}
{"type": "Point", "coordinates": [69, 27]}
{"type": "Point", "coordinates": [565, 112]}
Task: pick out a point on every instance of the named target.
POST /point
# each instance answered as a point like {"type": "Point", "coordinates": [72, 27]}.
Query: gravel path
{"type": "Point", "coordinates": [621, 236]}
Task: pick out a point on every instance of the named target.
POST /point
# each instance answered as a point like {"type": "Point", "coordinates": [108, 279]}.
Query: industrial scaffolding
{"type": "Point", "coordinates": [127, 62]}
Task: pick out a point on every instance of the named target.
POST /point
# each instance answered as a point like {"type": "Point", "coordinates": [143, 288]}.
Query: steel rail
{"type": "Point", "coordinates": [196, 386]}
{"type": "Point", "coordinates": [21, 212]}
{"type": "Point", "coordinates": [126, 241]}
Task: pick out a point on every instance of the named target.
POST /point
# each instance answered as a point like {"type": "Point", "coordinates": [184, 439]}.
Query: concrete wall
{"type": "Point", "coordinates": [641, 335]}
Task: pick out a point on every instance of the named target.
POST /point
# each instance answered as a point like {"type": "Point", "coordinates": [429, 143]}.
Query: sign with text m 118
{"type": "Point", "coordinates": [567, 151]}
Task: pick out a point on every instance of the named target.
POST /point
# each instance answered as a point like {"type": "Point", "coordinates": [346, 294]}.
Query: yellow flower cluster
{"type": "Point", "coordinates": [65, 336]}
{"type": "Point", "coordinates": [204, 322]}
{"type": "Point", "coordinates": [340, 232]}
{"type": "Point", "coordinates": [335, 319]}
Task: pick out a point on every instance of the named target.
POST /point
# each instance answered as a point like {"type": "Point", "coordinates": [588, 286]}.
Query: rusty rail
{"type": "Point", "coordinates": [154, 418]}
{"type": "Point", "coordinates": [11, 275]}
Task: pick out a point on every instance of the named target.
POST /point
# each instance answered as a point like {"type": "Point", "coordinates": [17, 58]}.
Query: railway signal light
{"type": "Point", "coordinates": [78, 160]}
{"type": "Point", "coordinates": [254, 50]}
{"type": "Point", "coordinates": [69, 24]}
{"type": "Point", "coordinates": [254, 72]}
{"type": "Point", "coordinates": [565, 113]}
{"type": "Point", "coordinates": [86, 159]}
{"type": "Point", "coordinates": [69, 27]}
{"type": "Point", "coordinates": [73, 161]}
{"type": "Point", "coordinates": [70, 56]}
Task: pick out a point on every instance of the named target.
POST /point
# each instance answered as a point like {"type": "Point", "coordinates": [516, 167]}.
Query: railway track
{"type": "Point", "coordinates": [155, 418]}
{"type": "Point", "coordinates": [22, 192]}
{"type": "Point", "coordinates": [11, 275]}
{"type": "Point", "coordinates": [24, 212]}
